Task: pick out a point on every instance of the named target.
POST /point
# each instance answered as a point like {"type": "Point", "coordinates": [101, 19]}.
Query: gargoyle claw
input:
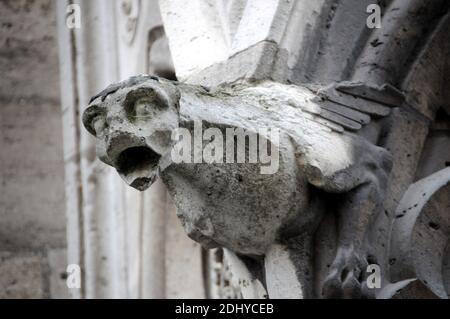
{"type": "Point", "coordinates": [346, 278]}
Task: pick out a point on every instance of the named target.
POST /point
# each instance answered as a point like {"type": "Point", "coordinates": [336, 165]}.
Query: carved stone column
{"type": "Point", "coordinates": [92, 213]}
{"type": "Point", "coordinates": [128, 244]}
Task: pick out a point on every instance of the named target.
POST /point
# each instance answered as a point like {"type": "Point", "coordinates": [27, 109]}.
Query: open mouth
{"type": "Point", "coordinates": [138, 166]}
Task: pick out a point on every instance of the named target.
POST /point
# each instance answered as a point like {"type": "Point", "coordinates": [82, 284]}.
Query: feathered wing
{"type": "Point", "coordinates": [352, 105]}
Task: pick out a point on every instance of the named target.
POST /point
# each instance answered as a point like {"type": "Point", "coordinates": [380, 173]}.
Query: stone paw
{"type": "Point", "coordinates": [346, 278]}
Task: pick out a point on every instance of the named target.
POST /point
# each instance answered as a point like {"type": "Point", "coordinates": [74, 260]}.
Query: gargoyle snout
{"type": "Point", "coordinates": [135, 161]}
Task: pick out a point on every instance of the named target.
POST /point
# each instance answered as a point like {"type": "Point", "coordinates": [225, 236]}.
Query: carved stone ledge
{"type": "Point", "coordinates": [421, 234]}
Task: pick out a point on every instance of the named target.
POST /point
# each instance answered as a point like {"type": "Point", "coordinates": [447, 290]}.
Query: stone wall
{"type": "Point", "coordinates": [32, 213]}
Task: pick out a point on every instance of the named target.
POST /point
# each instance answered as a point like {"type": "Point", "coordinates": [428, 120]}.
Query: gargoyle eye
{"type": "Point", "coordinates": [143, 107]}
{"type": "Point", "coordinates": [143, 103]}
{"type": "Point", "coordinates": [94, 119]}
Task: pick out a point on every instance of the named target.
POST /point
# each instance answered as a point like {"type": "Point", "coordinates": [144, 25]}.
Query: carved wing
{"type": "Point", "coordinates": [351, 105]}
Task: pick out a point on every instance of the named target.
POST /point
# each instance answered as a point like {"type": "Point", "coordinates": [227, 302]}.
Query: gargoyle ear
{"type": "Point", "coordinates": [172, 93]}
{"type": "Point", "coordinates": [89, 116]}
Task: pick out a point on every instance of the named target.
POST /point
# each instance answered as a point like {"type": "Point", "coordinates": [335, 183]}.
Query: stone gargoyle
{"type": "Point", "coordinates": [325, 147]}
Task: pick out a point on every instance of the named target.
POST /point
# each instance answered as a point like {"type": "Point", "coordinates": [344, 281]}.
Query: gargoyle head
{"type": "Point", "coordinates": [133, 121]}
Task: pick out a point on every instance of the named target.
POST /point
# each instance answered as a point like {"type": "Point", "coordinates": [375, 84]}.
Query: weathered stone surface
{"type": "Point", "coordinates": [240, 276]}
{"type": "Point", "coordinates": [22, 276]}
{"type": "Point", "coordinates": [181, 282]}
{"type": "Point", "coordinates": [281, 275]}
{"type": "Point", "coordinates": [32, 217]}
{"type": "Point", "coordinates": [420, 233]}
{"type": "Point", "coordinates": [31, 165]}
{"type": "Point", "coordinates": [56, 272]}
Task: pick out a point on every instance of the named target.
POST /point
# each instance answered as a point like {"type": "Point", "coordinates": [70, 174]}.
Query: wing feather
{"type": "Point", "coordinates": [352, 105]}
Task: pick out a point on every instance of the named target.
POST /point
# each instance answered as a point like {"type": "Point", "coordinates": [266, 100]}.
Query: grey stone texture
{"type": "Point", "coordinates": [32, 216]}
{"type": "Point", "coordinates": [21, 276]}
